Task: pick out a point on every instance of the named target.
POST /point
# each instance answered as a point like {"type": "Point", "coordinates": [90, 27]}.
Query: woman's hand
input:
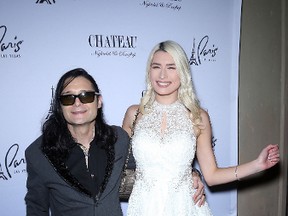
{"type": "Point", "coordinates": [269, 157]}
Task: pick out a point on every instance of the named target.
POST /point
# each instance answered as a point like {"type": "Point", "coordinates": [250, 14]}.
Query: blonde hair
{"type": "Point", "coordinates": [186, 92]}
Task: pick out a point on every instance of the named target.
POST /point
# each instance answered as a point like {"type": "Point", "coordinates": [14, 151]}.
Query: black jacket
{"type": "Point", "coordinates": [52, 188]}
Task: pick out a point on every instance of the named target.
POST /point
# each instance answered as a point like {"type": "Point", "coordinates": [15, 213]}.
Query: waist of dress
{"type": "Point", "coordinates": [153, 176]}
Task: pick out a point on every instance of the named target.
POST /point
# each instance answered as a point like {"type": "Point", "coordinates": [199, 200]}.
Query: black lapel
{"type": "Point", "coordinates": [63, 171]}
{"type": "Point", "coordinates": [110, 152]}
{"type": "Point", "coordinates": [58, 164]}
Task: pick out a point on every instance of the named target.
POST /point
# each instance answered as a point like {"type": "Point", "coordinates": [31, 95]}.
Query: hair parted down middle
{"type": "Point", "coordinates": [186, 92]}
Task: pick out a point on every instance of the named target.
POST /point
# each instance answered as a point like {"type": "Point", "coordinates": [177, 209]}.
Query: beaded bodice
{"type": "Point", "coordinates": [164, 142]}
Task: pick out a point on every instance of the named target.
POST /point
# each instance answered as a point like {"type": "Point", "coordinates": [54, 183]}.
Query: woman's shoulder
{"type": "Point", "coordinates": [130, 116]}
{"type": "Point", "coordinates": [131, 113]}
{"type": "Point", "coordinates": [133, 109]}
{"type": "Point", "coordinates": [205, 120]}
{"type": "Point", "coordinates": [204, 115]}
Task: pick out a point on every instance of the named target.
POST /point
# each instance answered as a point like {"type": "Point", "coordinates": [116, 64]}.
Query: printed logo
{"type": "Point", "coordinates": [202, 52]}
{"type": "Point", "coordinates": [13, 163]}
{"type": "Point", "coordinates": [171, 4]}
{"type": "Point", "coordinates": [51, 103]}
{"type": "Point", "coordinates": [45, 1]}
{"type": "Point", "coordinates": [9, 48]}
{"type": "Point", "coordinates": [113, 45]}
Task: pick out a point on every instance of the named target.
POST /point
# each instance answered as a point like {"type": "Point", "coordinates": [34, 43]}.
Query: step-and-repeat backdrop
{"type": "Point", "coordinates": [42, 39]}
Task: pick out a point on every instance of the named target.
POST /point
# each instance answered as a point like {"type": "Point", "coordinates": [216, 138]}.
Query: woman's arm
{"type": "Point", "coordinates": [213, 175]}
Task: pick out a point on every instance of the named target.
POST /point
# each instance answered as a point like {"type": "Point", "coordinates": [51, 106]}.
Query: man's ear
{"type": "Point", "coordinates": [99, 101]}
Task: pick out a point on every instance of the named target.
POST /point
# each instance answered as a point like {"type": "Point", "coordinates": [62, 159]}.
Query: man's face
{"type": "Point", "coordinates": [80, 113]}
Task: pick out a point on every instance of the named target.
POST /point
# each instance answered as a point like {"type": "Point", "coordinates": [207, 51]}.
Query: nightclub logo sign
{"type": "Point", "coordinates": [113, 45]}
{"type": "Point", "coordinates": [13, 163]}
{"type": "Point", "coordinates": [203, 51]}
{"type": "Point", "coordinates": [9, 47]}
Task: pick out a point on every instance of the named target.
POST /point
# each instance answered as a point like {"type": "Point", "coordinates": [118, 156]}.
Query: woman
{"type": "Point", "coordinates": [170, 130]}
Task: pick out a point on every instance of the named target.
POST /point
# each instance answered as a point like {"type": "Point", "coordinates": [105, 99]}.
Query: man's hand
{"type": "Point", "coordinates": [199, 196]}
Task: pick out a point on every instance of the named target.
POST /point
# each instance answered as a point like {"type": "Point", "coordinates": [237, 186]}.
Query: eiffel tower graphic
{"type": "Point", "coordinates": [47, 1]}
{"type": "Point", "coordinates": [2, 176]}
{"type": "Point", "coordinates": [51, 104]}
{"type": "Point", "coordinates": [193, 60]}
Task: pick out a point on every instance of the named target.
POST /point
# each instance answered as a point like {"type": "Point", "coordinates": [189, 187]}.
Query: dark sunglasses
{"type": "Point", "coordinates": [84, 97]}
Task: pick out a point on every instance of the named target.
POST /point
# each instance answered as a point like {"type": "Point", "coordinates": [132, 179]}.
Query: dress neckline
{"type": "Point", "coordinates": [163, 107]}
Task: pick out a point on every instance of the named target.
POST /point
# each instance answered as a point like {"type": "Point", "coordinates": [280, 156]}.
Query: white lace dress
{"type": "Point", "coordinates": [164, 147]}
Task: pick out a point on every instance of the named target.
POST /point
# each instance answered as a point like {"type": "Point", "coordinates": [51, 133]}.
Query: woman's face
{"type": "Point", "coordinates": [164, 77]}
{"type": "Point", "coordinates": [80, 113]}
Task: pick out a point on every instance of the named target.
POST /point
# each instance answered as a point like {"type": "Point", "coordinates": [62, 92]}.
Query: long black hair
{"type": "Point", "coordinates": [57, 139]}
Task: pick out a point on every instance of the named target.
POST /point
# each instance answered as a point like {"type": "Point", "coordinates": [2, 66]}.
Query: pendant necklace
{"type": "Point", "coordinates": [86, 150]}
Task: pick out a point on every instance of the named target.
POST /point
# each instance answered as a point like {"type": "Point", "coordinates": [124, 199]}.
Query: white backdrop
{"type": "Point", "coordinates": [42, 39]}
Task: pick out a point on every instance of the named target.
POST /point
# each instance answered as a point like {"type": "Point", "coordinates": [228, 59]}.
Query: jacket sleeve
{"type": "Point", "coordinates": [37, 196]}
